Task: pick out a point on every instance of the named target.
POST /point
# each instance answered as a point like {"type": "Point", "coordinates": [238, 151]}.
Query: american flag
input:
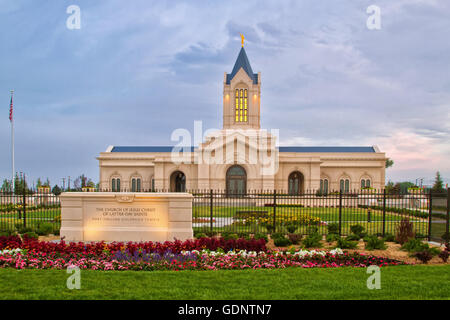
{"type": "Point", "coordinates": [11, 110]}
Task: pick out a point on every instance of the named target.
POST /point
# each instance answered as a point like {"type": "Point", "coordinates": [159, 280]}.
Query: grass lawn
{"type": "Point", "coordinates": [350, 216]}
{"type": "Point", "coordinates": [399, 282]}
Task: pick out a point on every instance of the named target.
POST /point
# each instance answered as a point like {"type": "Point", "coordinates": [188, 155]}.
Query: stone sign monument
{"type": "Point", "coordinates": [108, 216]}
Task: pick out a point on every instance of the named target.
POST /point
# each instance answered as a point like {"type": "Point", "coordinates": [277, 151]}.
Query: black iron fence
{"type": "Point", "coordinates": [277, 211]}
{"type": "Point", "coordinates": [254, 212]}
{"type": "Point", "coordinates": [37, 211]}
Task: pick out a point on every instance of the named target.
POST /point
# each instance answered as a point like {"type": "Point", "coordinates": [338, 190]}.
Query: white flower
{"type": "Point", "coordinates": [11, 252]}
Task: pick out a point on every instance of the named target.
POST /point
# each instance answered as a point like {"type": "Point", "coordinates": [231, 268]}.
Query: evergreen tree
{"type": "Point", "coordinates": [6, 186]}
{"type": "Point", "coordinates": [56, 190]}
{"type": "Point", "coordinates": [20, 184]}
{"type": "Point", "coordinates": [389, 163]}
{"type": "Point", "coordinates": [438, 183]}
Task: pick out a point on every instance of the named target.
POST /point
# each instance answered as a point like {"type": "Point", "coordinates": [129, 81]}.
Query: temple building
{"type": "Point", "coordinates": [241, 156]}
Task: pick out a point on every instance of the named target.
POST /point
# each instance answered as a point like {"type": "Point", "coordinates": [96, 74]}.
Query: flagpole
{"type": "Point", "coordinates": [12, 145]}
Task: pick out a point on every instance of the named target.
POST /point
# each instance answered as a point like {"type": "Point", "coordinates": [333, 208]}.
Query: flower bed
{"type": "Point", "coordinates": [31, 254]}
{"type": "Point", "coordinates": [96, 248]}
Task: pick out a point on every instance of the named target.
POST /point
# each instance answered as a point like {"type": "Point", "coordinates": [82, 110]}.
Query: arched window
{"type": "Point", "coordinates": [236, 181]}
{"type": "Point", "coordinates": [365, 183]}
{"type": "Point", "coordinates": [115, 184]}
{"type": "Point", "coordinates": [345, 185]}
{"type": "Point", "coordinates": [295, 183]}
{"type": "Point", "coordinates": [241, 105]}
{"type": "Point", "coordinates": [324, 186]}
{"type": "Point", "coordinates": [136, 185]}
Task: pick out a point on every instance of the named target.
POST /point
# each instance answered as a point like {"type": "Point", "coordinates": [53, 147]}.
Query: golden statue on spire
{"type": "Point", "coordinates": [242, 40]}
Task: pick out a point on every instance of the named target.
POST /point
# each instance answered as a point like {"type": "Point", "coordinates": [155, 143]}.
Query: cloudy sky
{"type": "Point", "coordinates": [138, 69]}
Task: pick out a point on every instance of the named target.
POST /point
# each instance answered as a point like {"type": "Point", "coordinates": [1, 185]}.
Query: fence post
{"type": "Point", "coordinates": [384, 212]}
{"type": "Point", "coordinates": [340, 212]}
{"type": "Point", "coordinates": [274, 210]}
{"type": "Point", "coordinates": [24, 203]}
{"type": "Point", "coordinates": [211, 200]}
{"type": "Point", "coordinates": [430, 215]}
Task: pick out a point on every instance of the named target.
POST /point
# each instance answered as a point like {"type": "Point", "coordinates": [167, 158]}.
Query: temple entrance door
{"type": "Point", "coordinates": [236, 181]}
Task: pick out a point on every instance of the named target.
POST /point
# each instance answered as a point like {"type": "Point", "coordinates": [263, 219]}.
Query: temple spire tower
{"type": "Point", "coordinates": [242, 95]}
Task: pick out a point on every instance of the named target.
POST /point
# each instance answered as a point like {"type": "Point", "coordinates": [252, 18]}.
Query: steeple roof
{"type": "Point", "coordinates": [242, 62]}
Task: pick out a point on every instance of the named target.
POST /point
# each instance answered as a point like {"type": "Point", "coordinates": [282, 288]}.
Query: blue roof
{"type": "Point", "coordinates": [242, 62]}
{"type": "Point", "coordinates": [146, 149]}
{"type": "Point", "coordinates": [326, 149]}
{"type": "Point", "coordinates": [281, 149]}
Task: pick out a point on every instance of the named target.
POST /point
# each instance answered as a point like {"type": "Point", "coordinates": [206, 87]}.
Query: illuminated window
{"type": "Point", "coordinates": [241, 105]}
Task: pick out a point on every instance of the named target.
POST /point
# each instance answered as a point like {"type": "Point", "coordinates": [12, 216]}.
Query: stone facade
{"type": "Point", "coordinates": [107, 216]}
{"type": "Point", "coordinates": [259, 164]}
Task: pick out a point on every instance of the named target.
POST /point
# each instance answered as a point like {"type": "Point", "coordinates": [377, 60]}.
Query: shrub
{"type": "Point", "coordinates": [31, 235]}
{"type": "Point", "coordinates": [374, 243]}
{"type": "Point", "coordinates": [277, 235]}
{"type": "Point", "coordinates": [230, 236]}
{"type": "Point", "coordinates": [6, 233]}
{"type": "Point", "coordinates": [414, 245]}
{"type": "Point", "coordinates": [295, 238]}
{"type": "Point", "coordinates": [353, 237]}
{"type": "Point", "coordinates": [404, 231]}
{"type": "Point", "coordinates": [312, 241]}
{"type": "Point", "coordinates": [312, 229]}
{"type": "Point", "coordinates": [344, 243]}
{"type": "Point", "coordinates": [358, 230]}
{"type": "Point", "coordinates": [332, 237]}
{"type": "Point", "coordinates": [258, 236]}
{"type": "Point", "coordinates": [282, 242]}
{"type": "Point", "coordinates": [243, 235]}
{"type": "Point", "coordinates": [444, 255]}
{"type": "Point", "coordinates": [24, 230]}
{"type": "Point", "coordinates": [389, 237]}
{"type": "Point", "coordinates": [291, 227]}
{"type": "Point", "coordinates": [211, 233]}
{"type": "Point", "coordinates": [333, 228]}
{"type": "Point", "coordinates": [423, 256]}
{"type": "Point", "coordinates": [199, 235]}
{"type": "Point", "coordinates": [44, 229]}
